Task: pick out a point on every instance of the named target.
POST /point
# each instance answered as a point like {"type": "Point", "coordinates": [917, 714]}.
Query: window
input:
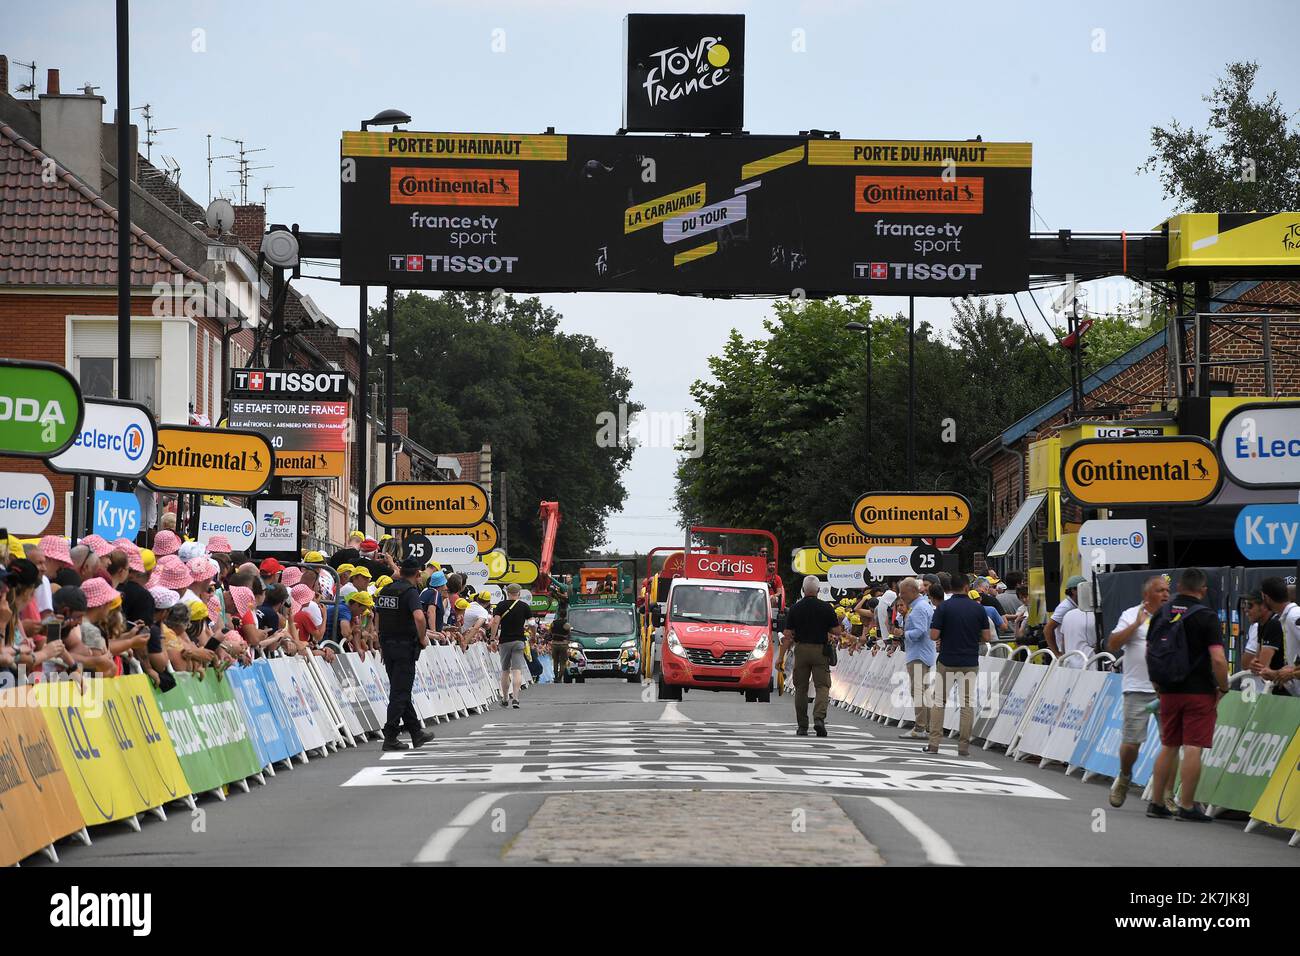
{"type": "Point", "coordinates": [144, 382]}
{"type": "Point", "coordinates": [215, 374]}
{"type": "Point", "coordinates": [98, 377]}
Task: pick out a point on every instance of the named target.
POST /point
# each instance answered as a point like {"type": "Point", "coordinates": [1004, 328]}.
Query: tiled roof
{"type": "Point", "coordinates": [62, 233]}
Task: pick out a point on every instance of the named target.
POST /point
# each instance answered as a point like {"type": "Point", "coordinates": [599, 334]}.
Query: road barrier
{"type": "Point", "coordinates": [74, 758]}
{"type": "Point", "coordinates": [1064, 714]}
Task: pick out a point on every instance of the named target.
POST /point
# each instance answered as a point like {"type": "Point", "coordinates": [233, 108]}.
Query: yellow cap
{"type": "Point", "coordinates": [840, 612]}
{"type": "Point", "coordinates": [361, 570]}
{"type": "Point", "coordinates": [383, 581]}
{"type": "Point", "coordinates": [343, 571]}
{"type": "Point", "coordinates": [461, 604]}
{"type": "Point", "coordinates": [198, 611]}
{"type": "Point", "coordinates": [361, 597]}
{"type": "Point", "coordinates": [356, 534]}
{"type": "Point", "coordinates": [314, 557]}
{"type": "Point", "coordinates": [149, 559]}
{"type": "Point", "coordinates": [973, 595]}
{"type": "Point", "coordinates": [434, 565]}
{"type": "Point", "coordinates": [16, 548]}
{"type": "Point", "coordinates": [385, 537]}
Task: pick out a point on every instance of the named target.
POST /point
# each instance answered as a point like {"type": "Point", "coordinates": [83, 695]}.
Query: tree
{"type": "Point", "coordinates": [785, 432]}
{"type": "Point", "coordinates": [1247, 158]}
{"type": "Point", "coordinates": [470, 373]}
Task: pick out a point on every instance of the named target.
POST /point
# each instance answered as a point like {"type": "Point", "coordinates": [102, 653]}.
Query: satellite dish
{"type": "Point", "coordinates": [280, 248]}
{"type": "Point", "coordinates": [221, 216]}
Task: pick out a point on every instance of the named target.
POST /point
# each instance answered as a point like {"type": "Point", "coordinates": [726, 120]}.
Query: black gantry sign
{"type": "Point", "coordinates": [774, 215]}
{"type": "Point", "coordinates": [685, 73]}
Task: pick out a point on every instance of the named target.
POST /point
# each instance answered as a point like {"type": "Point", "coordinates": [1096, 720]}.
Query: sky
{"type": "Point", "coordinates": [1083, 83]}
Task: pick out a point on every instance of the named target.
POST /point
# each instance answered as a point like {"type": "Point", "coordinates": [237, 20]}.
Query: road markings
{"type": "Point", "coordinates": [937, 849]}
{"type": "Point", "coordinates": [673, 715]}
{"type": "Point", "coordinates": [440, 845]}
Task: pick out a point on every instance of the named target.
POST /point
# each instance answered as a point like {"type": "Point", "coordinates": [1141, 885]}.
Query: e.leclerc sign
{"type": "Point", "coordinates": [1113, 473]}
{"type": "Point", "coordinates": [420, 504]}
{"type": "Point", "coordinates": [1259, 445]}
{"type": "Point", "coordinates": [26, 503]}
{"type": "Point", "coordinates": [212, 461]}
{"type": "Point", "coordinates": [116, 440]}
{"type": "Point", "coordinates": [911, 514]}
{"type": "Point", "coordinates": [40, 409]}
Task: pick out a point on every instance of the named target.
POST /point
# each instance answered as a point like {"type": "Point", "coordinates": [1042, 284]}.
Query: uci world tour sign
{"type": "Point", "coordinates": [423, 504]}
{"type": "Point", "coordinates": [211, 461]}
{"type": "Point", "coordinates": [910, 514]}
{"type": "Point", "coordinates": [1115, 473]}
{"type": "Point", "coordinates": [40, 409]}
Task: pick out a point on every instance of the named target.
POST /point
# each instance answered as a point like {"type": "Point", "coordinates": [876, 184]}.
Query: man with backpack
{"type": "Point", "coordinates": [1187, 666]}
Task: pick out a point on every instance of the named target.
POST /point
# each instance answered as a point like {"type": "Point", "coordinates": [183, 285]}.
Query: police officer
{"type": "Point", "coordinates": [401, 636]}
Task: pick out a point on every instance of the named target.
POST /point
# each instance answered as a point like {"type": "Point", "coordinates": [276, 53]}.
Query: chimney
{"type": "Point", "coordinates": [71, 132]}
{"type": "Point", "coordinates": [250, 225]}
{"type": "Point", "coordinates": [4, 78]}
{"type": "Point", "coordinates": [401, 421]}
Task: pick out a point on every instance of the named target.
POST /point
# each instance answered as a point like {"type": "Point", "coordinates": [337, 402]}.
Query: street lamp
{"type": "Point", "coordinates": [860, 327]}
{"type": "Point", "coordinates": [383, 117]}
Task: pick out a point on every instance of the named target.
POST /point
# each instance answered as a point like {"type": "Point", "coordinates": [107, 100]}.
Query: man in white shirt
{"type": "Point", "coordinates": [1078, 632]}
{"type": "Point", "coordinates": [1068, 604]}
{"type": "Point", "coordinates": [883, 606]}
{"type": "Point", "coordinates": [1284, 673]}
{"type": "Point", "coordinates": [1130, 638]}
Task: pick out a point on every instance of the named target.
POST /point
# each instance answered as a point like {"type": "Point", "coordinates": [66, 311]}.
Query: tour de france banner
{"type": "Point", "coordinates": [37, 805]}
{"type": "Point", "coordinates": [208, 731]}
{"type": "Point", "coordinates": [780, 215]}
{"type": "Point", "coordinates": [305, 414]}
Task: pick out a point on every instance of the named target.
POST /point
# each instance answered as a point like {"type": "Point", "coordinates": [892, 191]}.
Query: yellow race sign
{"type": "Point", "coordinates": [484, 534]}
{"type": "Point", "coordinates": [211, 461]}
{"type": "Point", "coordinates": [518, 571]}
{"type": "Point", "coordinates": [496, 562]}
{"type": "Point", "coordinates": [911, 514]}
{"type": "Point", "coordinates": [839, 539]}
{"type": "Point", "coordinates": [419, 504]}
{"type": "Point", "coordinates": [1111, 473]}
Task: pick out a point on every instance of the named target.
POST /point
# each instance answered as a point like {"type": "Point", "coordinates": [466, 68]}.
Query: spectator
{"type": "Point", "coordinates": [919, 651]}
{"type": "Point", "coordinates": [958, 627]}
{"type": "Point", "coordinates": [1280, 667]}
{"type": "Point", "coordinates": [1078, 632]}
{"type": "Point", "coordinates": [1008, 593]}
{"type": "Point", "coordinates": [270, 571]}
{"type": "Point", "coordinates": [1188, 706]}
{"type": "Point", "coordinates": [1068, 604]}
{"type": "Point", "coordinates": [1130, 639]}
{"type": "Point", "coordinates": [809, 623]}
{"type": "Point", "coordinates": [508, 620]}
{"type": "Point", "coordinates": [44, 596]}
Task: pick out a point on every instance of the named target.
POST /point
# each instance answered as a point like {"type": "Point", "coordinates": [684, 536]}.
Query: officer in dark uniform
{"type": "Point", "coordinates": [401, 636]}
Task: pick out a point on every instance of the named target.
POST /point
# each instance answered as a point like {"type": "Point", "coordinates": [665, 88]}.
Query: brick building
{"type": "Point", "coordinates": [1141, 389]}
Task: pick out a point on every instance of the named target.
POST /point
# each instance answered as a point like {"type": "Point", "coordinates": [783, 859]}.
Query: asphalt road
{"type": "Point", "coordinates": [602, 772]}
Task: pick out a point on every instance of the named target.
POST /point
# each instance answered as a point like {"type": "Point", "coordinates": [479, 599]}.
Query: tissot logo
{"type": "Point", "coordinates": [918, 271]}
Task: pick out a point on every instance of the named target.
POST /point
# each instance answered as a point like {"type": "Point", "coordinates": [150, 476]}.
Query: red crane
{"type": "Point", "coordinates": [549, 513]}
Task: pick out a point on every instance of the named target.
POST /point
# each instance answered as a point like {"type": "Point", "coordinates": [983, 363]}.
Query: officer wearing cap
{"type": "Point", "coordinates": [401, 635]}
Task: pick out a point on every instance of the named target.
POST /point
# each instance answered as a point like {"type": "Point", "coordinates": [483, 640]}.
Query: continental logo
{"type": "Point", "coordinates": [911, 515]}
{"type": "Point", "coordinates": [873, 194]}
{"type": "Point", "coordinates": [1141, 471]}
{"type": "Point", "coordinates": [858, 152]}
{"type": "Point", "coordinates": [458, 146]}
{"type": "Point", "coordinates": [655, 211]}
{"type": "Point", "coordinates": [453, 504]}
{"type": "Point", "coordinates": [484, 533]}
{"type": "Point", "coordinates": [210, 460]}
{"type": "Point", "coordinates": [424, 186]}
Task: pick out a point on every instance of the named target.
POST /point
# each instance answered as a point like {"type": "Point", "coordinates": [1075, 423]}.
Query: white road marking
{"type": "Point", "coordinates": [937, 849]}
{"type": "Point", "coordinates": [671, 713]}
{"type": "Point", "coordinates": [440, 845]}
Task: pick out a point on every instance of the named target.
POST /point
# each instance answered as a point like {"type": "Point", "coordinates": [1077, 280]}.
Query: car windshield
{"type": "Point", "coordinates": [610, 621]}
{"type": "Point", "coordinates": [719, 605]}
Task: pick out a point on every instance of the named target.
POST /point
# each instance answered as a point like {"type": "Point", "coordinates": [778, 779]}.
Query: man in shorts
{"type": "Point", "coordinates": [508, 620]}
{"type": "Point", "coordinates": [1130, 637]}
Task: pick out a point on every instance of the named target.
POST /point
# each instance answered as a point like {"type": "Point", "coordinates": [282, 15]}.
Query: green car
{"type": "Point", "coordinates": [608, 637]}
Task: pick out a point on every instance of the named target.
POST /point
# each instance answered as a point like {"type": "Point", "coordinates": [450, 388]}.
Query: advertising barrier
{"type": "Point", "coordinates": [37, 803]}
{"type": "Point", "coordinates": [1256, 734]}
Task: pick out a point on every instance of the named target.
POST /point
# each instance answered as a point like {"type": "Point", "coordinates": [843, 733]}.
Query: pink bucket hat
{"type": "Point", "coordinates": [166, 542]}
{"type": "Point", "coordinates": [202, 569]}
{"type": "Point", "coordinates": [57, 548]}
{"type": "Point", "coordinates": [290, 576]}
{"type": "Point", "coordinates": [302, 594]}
{"type": "Point", "coordinates": [98, 592]}
{"type": "Point", "coordinates": [243, 598]}
{"type": "Point", "coordinates": [97, 544]}
{"type": "Point", "coordinates": [214, 607]}
{"type": "Point", "coordinates": [218, 544]}
{"type": "Point", "coordinates": [133, 559]}
{"type": "Point", "coordinates": [174, 575]}
{"type": "Point", "coordinates": [164, 598]}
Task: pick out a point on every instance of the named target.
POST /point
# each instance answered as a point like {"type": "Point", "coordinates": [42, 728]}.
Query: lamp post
{"type": "Point", "coordinates": [861, 327]}
{"type": "Point", "coordinates": [363, 452]}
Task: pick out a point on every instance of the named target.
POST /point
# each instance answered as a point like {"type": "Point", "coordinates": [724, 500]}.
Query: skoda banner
{"type": "Point", "coordinates": [1260, 445]}
{"type": "Point", "coordinates": [40, 408]}
{"type": "Point", "coordinates": [117, 514]}
{"type": "Point", "coordinates": [235, 524]}
{"type": "Point", "coordinates": [26, 503]}
{"type": "Point", "coordinates": [116, 440]}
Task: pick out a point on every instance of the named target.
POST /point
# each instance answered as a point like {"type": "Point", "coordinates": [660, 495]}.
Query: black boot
{"type": "Point", "coordinates": [420, 737]}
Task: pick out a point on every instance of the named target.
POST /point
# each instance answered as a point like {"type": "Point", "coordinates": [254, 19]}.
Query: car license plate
{"type": "Point", "coordinates": [600, 667]}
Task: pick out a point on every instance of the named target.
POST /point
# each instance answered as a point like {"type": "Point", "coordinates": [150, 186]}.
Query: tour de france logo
{"type": "Point", "coordinates": [707, 60]}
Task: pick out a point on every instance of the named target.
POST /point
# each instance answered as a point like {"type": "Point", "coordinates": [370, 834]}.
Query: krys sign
{"type": "Point", "coordinates": [40, 409]}
{"type": "Point", "coordinates": [1268, 532]}
{"type": "Point", "coordinates": [1113, 473]}
{"type": "Point", "coordinates": [213, 461]}
{"type": "Point", "coordinates": [419, 504]}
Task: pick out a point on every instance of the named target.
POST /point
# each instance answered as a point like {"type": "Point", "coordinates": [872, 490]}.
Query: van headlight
{"type": "Point", "coordinates": [631, 643]}
{"type": "Point", "coordinates": [674, 644]}
{"type": "Point", "coordinates": [760, 649]}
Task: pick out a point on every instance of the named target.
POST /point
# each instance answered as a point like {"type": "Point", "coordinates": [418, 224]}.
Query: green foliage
{"type": "Point", "coordinates": [1247, 158]}
{"type": "Point", "coordinates": [469, 375]}
{"type": "Point", "coordinates": [785, 443]}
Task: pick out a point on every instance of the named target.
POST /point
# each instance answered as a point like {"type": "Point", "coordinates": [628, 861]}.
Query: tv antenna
{"type": "Point", "coordinates": [31, 86]}
{"type": "Point", "coordinates": [244, 166]}
{"type": "Point", "coordinates": [173, 170]}
{"type": "Point", "coordinates": [210, 159]}
{"type": "Point", "coordinates": [149, 128]}
{"type": "Point", "coordinates": [266, 189]}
